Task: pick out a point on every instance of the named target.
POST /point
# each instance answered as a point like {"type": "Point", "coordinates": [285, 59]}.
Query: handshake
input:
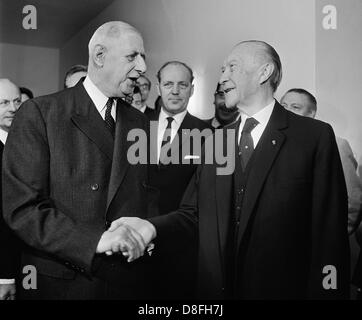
{"type": "Point", "coordinates": [130, 236]}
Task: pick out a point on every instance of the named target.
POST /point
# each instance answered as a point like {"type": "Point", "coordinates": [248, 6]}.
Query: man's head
{"type": "Point", "coordinates": [74, 74]}
{"type": "Point", "coordinates": [253, 69]}
{"type": "Point", "coordinates": [175, 86]}
{"type": "Point", "coordinates": [116, 58]}
{"type": "Point", "coordinates": [26, 94]}
{"type": "Point", "coordinates": [223, 114]}
{"type": "Point", "coordinates": [300, 101]}
{"type": "Point", "coordinates": [10, 101]}
{"type": "Point", "coordinates": [137, 98]}
{"type": "Point", "coordinates": [145, 86]}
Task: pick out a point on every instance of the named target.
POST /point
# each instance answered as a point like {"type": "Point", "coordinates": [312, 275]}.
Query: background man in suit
{"type": "Point", "coordinates": [145, 86]}
{"type": "Point", "coordinates": [177, 270]}
{"type": "Point", "coordinates": [277, 227]}
{"type": "Point", "coordinates": [66, 177]}
{"type": "Point", "coordinates": [10, 101]}
{"type": "Point", "coordinates": [223, 114]}
{"type": "Point", "coordinates": [302, 102]}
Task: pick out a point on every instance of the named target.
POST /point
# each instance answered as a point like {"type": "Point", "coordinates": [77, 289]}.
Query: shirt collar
{"type": "Point", "coordinates": [262, 116]}
{"type": "Point", "coordinates": [3, 136]}
{"type": "Point", "coordinates": [98, 98]}
{"type": "Point", "coordinates": [178, 118]}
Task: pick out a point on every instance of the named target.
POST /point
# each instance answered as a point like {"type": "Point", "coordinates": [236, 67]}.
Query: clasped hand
{"type": "Point", "coordinates": [130, 236]}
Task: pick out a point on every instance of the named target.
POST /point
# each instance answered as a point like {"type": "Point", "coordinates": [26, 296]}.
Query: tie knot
{"type": "Point", "coordinates": [169, 121]}
{"type": "Point", "coordinates": [109, 104]}
{"type": "Point", "coordinates": [250, 124]}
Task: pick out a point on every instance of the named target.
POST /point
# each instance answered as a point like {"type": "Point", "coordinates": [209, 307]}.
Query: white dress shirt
{"type": "Point", "coordinates": [98, 98]}
{"type": "Point", "coordinates": [262, 117]}
{"type": "Point", "coordinates": [162, 125]}
{"type": "Point", "coordinates": [3, 137]}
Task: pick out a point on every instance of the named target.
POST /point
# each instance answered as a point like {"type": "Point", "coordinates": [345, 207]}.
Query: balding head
{"type": "Point", "coordinates": [250, 75]}
{"type": "Point", "coordinates": [116, 58]}
{"type": "Point", "coordinates": [10, 101]}
{"type": "Point", "coordinates": [261, 53]}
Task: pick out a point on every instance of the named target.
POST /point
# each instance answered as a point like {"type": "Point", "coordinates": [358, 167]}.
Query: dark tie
{"type": "Point", "coordinates": [166, 137]}
{"type": "Point", "coordinates": [108, 119]}
{"type": "Point", "coordinates": [246, 145]}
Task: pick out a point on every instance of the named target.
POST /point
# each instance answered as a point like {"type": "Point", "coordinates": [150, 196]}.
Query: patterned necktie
{"type": "Point", "coordinates": [166, 140]}
{"type": "Point", "coordinates": [246, 145]}
{"type": "Point", "coordinates": [108, 119]}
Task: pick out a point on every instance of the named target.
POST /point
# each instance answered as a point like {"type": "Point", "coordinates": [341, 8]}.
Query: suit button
{"type": "Point", "coordinates": [95, 187]}
{"type": "Point", "coordinates": [241, 191]}
{"type": "Point", "coordinates": [237, 223]}
{"type": "Point", "coordinates": [238, 208]}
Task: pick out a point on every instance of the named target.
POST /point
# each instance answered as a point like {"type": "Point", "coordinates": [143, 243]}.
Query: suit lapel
{"type": "Point", "coordinates": [224, 192]}
{"type": "Point", "coordinates": [266, 152]}
{"type": "Point", "coordinates": [124, 123]}
{"type": "Point", "coordinates": [88, 120]}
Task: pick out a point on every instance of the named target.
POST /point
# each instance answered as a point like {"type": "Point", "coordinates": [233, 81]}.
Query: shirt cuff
{"type": "Point", "coordinates": [7, 281]}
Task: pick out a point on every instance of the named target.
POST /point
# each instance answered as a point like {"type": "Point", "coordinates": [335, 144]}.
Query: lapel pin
{"type": "Point", "coordinates": [274, 142]}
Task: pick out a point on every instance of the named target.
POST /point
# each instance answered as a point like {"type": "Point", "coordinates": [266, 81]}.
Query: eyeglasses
{"type": "Point", "coordinates": [6, 103]}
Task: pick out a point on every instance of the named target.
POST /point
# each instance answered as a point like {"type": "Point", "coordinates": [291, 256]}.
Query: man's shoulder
{"type": "Point", "coordinates": [197, 122]}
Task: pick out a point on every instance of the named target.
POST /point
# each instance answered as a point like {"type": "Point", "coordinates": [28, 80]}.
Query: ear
{"type": "Point", "coordinates": [192, 90]}
{"type": "Point", "coordinates": [312, 113]}
{"type": "Point", "coordinates": [266, 71]}
{"type": "Point", "coordinates": [99, 55]}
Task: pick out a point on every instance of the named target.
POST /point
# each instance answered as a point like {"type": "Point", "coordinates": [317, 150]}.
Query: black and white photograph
{"type": "Point", "coordinates": [185, 154]}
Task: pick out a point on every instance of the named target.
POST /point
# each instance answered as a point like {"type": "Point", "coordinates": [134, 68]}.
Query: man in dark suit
{"type": "Point", "coordinates": [276, 228]}
{"type": "Point", "coordinates": [177, 270]}
{"type": "Point", "coordinates": [10, 101]}
{"type": "Point", "coordinates": [66, 177]}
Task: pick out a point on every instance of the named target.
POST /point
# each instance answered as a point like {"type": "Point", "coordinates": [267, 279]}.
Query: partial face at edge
{"type": "Point", "coordinates": [297, 103]}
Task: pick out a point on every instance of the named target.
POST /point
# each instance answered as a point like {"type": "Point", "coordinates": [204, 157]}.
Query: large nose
{"type": "Point", "coordinates": [141, 64]}
{"type": "Point", "coordinates": [175, 89]}
{"type": "Point", "coordinates": [14, 106]}
{"type": "Point", "coordinates": [224, 76]}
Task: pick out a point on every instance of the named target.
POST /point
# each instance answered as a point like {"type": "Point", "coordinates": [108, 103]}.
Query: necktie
{"type": "Point", "coordinates": [166, 136]}
{"type": "Point", "coordinates": [246, 145]}
{"type": "Point", "coordinates": [108, 119]}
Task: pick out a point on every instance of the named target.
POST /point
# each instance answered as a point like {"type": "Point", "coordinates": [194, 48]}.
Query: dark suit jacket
{"type": "Point", "coordinates": [9, 247]}
{"type": "Point", "coordinates": [293, 217]}
{"type": "Point", "coordinates": [175, 272]}
{"type": "Point", "coordinates": [64, 180]}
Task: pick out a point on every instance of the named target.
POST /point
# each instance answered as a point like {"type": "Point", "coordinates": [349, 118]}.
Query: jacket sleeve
{"type": "Point", "coordinates": [329, 237]}
{"type": "Point", "coordinates": [28, 207]}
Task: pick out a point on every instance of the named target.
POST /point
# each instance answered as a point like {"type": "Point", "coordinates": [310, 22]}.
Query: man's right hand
{"type": "Point", "coordinates": [122, 239]}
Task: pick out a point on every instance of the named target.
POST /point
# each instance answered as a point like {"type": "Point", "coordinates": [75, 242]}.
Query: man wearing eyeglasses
{"type": "Point", "coordinates": [10, 101]}
{"type": "Point", "coordinates": [145, 86]}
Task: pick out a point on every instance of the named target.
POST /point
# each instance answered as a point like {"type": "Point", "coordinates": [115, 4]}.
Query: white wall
{"type": "Point", "coordinates": [202, 32]}
{"type": "Point", "coordinates": [339, 69]}
{"type": "Point", "coordinates": [36, 68]}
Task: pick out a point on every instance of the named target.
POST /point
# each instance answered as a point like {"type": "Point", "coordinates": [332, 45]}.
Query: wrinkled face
{"type": "Point", "coordinates": [239, 78]}
{"type": "Point", "coordinates": [144, 87]}
{"type": "Point", "coordinates": [10, 101]}
{"type": "Point", "coordinates": [137, 101]}
{"type": "Point", "coordinates": [175, 88]}
{"type": "Point", "coordinates": [297, 103]}
{"type": "Point", "coordinates": [74, 78]}
{"type": "Point", "coordinates": [123, 64]}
